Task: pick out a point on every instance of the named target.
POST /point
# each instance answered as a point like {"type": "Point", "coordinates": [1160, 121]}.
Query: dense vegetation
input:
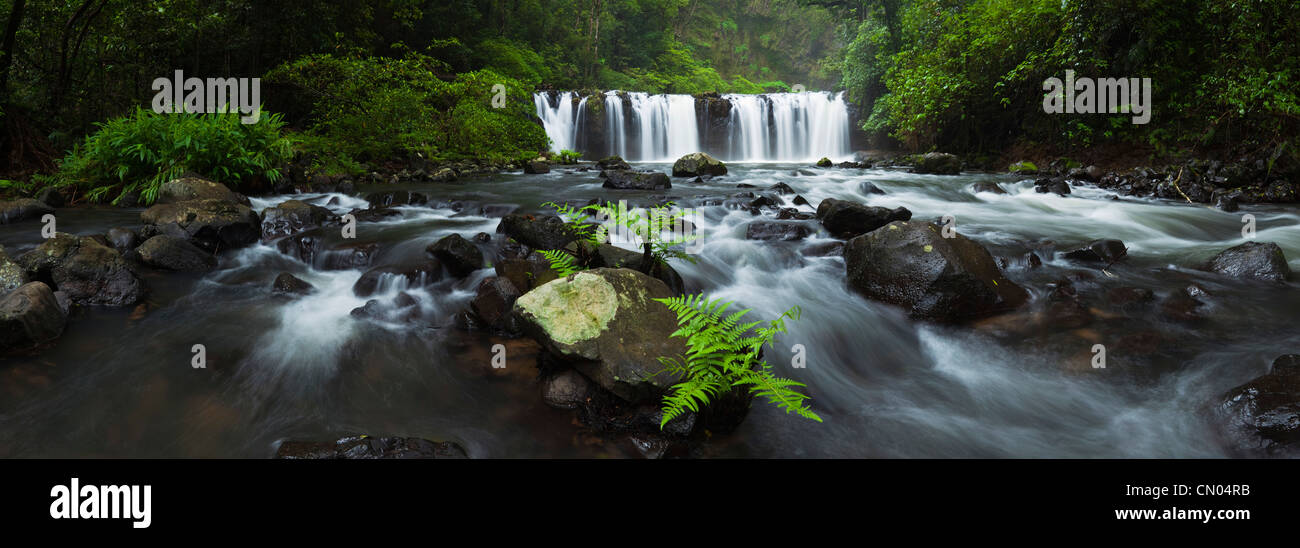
{"type": "Point", "coordinates": [130, 158]}
{"type": "Point", "coordinates": [967, 74]}
{"type": "Point", "coordinates": [400, 107]}
{"type": "Point", "coordinates": [371, 79]}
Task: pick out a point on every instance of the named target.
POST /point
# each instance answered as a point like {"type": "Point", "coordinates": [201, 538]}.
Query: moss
{"type": "Point", "coordinates": [573, 309]}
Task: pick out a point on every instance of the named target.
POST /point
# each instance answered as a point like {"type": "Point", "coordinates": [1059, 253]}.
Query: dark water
{"type": "Point", "coordinates": [120, 382]}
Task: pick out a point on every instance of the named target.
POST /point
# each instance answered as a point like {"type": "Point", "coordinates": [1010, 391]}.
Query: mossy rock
{"type": "Point", "coordinates": [606, 324]}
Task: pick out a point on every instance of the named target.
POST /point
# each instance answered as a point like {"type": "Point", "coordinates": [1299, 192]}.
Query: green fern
{"type": "Point", "coordinates": [722, 353]}
{"type": "Point", "coordinates": [561, 262]}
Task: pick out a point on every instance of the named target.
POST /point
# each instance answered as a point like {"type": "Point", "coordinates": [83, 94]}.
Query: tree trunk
{"type": "Point", "coordinates": [7, 56]}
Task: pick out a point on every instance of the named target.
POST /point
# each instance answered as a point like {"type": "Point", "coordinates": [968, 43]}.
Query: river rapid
{"type": "Point", "coordinates": [119, 383]}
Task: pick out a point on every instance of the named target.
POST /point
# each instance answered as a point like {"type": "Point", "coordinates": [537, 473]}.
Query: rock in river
{"type": "Point", "coordinates": [698, 163]}
{"type": "Point", "coordinates": [847, 219]}
{"type": "Point", "coordinates": [1262, 261]}
{"type": "Point", "coordinates": [536, 231]}
{"type": "Point", "coordinates": [605, 324]}
{"type": "Point", "coordinates": [84, 269]}
{"type": "Point", "coordinates": [289, 284]}
{"type": "Point", "coordinates": [456, 253]}
{"type": "Point", "coordinates": [208, 223]}
{"type": "Point", "coordinates": [12, 274]}
{"type": "Point", "coordinates": [22, 209]}
{"type": "Point", "coordinates": [1265, 412]}
{"type": "Point", "coordinates": [171, 253]}
{"type": "Point", "coordinates": [935, 278]}
{"type": "Point", "coordinates": [940, 163]}
{"type": "Point", "coordinates": [194, 188]}
{"type": "Point", "coordinates": [417, 274]}
{"type": "Point", "coordinates": [1104, 251]}
{"type": "Point", "coordinates": [291, 217]}
{"type": "Point", "coordinates": [29, 317]}
{"type": "Point", "coordinates": [623, 179]}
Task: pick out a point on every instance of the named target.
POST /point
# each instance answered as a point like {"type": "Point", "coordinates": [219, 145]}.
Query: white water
{"type": "Point", "coordinates": [558, 120]}
{"type": "Point", "coordinates": [614, 124]}
{"type": "Point", "coordinates": [774, 127]}
{"type": "Point", "coordinates": [666, 126]}
{"type": "Point", "coordinates": [788, 127]}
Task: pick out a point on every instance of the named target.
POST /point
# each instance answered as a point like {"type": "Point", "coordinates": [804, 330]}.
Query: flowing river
{"type": "Point", "coordinates": [120, 382]}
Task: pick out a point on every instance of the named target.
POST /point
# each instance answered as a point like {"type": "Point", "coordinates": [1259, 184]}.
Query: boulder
{"type": "Point", "coordinates": [791, 213]}
{"type": "Point", "coordinates": [123, 239]}
{"type": "Point", "coordinates": [456, 253]}
{"type": "Point", "coordinates": [527, 272]}
{"type": "Point", "coordinates": [610, 256]}
{"type": "Point", "coordinates": [536, 167]}
{"type": "Point", "coordinates": [612, 162]}
{"type": "Point", "coordinates": [87, 271]}
{"type": "Point", "coordinates": [987, 186]}
{"type": "Point", "coordinates": [171, 253]}
{"type": "Point", "coordinates": [492, 302]}
{"type": "Point", "coordinates": [290, 284]}
{"type": "Point", "coordinates": [367, 447]}
{"type": "Point", "coordinates": [939, 163]}
{"type": "Point", "coordinates": [625, 179]}
{"type": "Point", "coordinates": [567, 389]}
{"type": "Point", "coordinates": [698, 163]}
{"type": "Point", "coordinates": [778, 231]}
{"type": "Point", "coordinates": [1264, 414]}
{"type": "Point", "coordinates": [847, 219]}
{"type": "Point", "coordinates": [605, 324]}
{"type": "Point", "coordinates": [291, 217]}
{"type": "Point", "coordinates": [537, 232]}
{"type": "Point", "coordinates": [12, 274]}
{"type": "Point", "coordinates": [825, 162]}
{"type": "Point", "coordinates": [418, 274]}
{"type": "Point", "coordinates": [1262, 261]}
{"type": "Point", "coordinates": [30, 316]}
{"type": "Point", "coordinates": [444, 175]}
{"type": "Point", "coordinates": [935, 278]}
{"type": "Point", "coordinates": [395, 198]}
{"type": "Point", "coordinates": [22, 209]}
{"type": "Point", "coordinates": [867, 187]}
{"type": "Point", "coordinates": [211, 224]}
{"type": "Point", "coordinates": [1104, 251]}
{"type": "Point", "coordinates": [194, 188]}
{"type": "Point", "coordinates": [375, 215]}
{"type": "Point", "coordinates": [1057, 185]}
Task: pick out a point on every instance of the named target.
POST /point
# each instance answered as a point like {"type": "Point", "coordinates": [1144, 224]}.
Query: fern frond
{"type": "Point", "coordinates": [722, 352]}
{"type": "Point", "coordinates": [561, 262]}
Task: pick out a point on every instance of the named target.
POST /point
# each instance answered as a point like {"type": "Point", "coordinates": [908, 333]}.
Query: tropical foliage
{"type": "Point", "coordinates": [135, 155]}
{"type": "Point", "coordinates": [722, 354]}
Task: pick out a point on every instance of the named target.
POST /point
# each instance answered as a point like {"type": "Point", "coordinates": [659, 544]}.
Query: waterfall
{"type": "Point", "coordinates": [558, 120]}
{"type": "Point", "coordinates": [748, 131]}
{"type": "Point", "coordinates": [666, 126]}
{"type": "Point", "coordinates": [772, 127]}
{"type": "Point", "coordinates": [616, 140]}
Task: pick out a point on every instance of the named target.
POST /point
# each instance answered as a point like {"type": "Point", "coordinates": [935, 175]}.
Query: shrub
{"type": "Point", "coordinates": [140, 152]}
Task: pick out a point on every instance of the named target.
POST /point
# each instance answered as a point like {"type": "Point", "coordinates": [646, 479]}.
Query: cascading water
{"type": "Point", "coordinates": [558, 120]}
{"type": "Point", "coordinates": [788, 127]}
{"type": "Point", "coordinates": [666, 125]}
{"type": "Point", "coordinates": [775, 127]}
{"type": "Point", "coordinates": [614, 124]}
